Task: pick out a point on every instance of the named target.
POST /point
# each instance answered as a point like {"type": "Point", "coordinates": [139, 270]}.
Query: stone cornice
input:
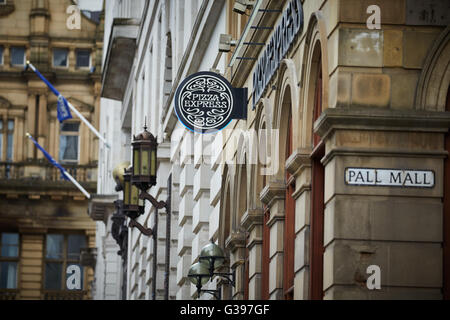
{"type": "Point", "coordinates": [298, 160]}
{"type": "Point", "coordinates": [273, 190]}
{"type": "Point", "coordinates": [235, 240]}
{"type": "Point", "coordinates": [251, 218]}
{"type": "Point", "coordinates": [376, 119]}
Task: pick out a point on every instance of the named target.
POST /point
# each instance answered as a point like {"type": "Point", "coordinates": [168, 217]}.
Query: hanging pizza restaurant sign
{"type": "Point", "coordinates": [206, 102]}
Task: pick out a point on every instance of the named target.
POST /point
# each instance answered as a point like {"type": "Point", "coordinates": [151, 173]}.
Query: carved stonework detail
{"type": "Point", "coordinates": [251, 218]}
{"type": "Point", "coordinates": [298, 160]}
{"type": "Point", "coordinates": [272, 191]}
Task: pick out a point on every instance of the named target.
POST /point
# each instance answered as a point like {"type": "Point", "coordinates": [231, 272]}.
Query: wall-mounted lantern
{"type": "Point", "coordinates": [142, 177]}
{"type": "Point", "coordinates": [133, 207]}
{"type": "Point", "coordinates": [211, 258]}
{"type": "Point", "coordinates": [144, 160]}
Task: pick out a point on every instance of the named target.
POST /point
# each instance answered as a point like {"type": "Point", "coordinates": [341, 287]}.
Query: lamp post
{"type": "Point", "coordinates": [142, 177]}
{"type": "Point", "coordinates": [211, 258]}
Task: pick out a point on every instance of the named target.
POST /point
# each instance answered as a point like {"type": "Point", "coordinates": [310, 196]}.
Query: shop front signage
{"type": "Point", "coordinates": [284, 34]}
{"type": "Point", "coordinates": [206, 102]}
{"type": "Point", "coordinates": [389, 177]}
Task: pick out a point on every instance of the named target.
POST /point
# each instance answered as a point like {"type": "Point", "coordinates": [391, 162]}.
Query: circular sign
{"type": "Point", "coordinates": [204, 102]}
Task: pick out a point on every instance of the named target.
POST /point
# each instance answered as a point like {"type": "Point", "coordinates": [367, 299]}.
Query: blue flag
{"type": "Point", "coordinates": [49, 158]}
{"type": "Point", "coordinates": [62, 110]}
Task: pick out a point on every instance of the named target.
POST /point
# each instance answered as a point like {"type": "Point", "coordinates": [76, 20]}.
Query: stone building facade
{"type": "Point", "coordinates": [340, 168]}
{"type": "Point", "coordinates": [43, 219]}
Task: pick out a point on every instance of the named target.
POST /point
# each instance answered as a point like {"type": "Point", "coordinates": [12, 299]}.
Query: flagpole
{"type": "Point", "coordinates": [63, 171]}
{"type": "Point", "coordinates": [56, 92]}
{"type": "Point", "coordinates": [75, 182]}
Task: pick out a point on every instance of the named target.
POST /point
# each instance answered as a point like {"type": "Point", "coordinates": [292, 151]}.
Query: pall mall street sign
{"type": "Point", "coordinates": [389, 177]}
{"type": "Point", "coordinates": [206, 102]}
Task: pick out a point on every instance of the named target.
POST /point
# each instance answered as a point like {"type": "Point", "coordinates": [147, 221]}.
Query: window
{"type": "Point", "coordinates": [9, 259]}
{"type": "Point", "coordinates": [2, 1]}
{"type": "Point", "coordinates": [61, 252]}
{"type": "Point", "coordinates": [83, 58]}
{"type": "Point", "coordinates": [17, 56]}
{"type": "Point", "coordinates": [60, 57]}
{"type": "Point", "coordinates": [6, 140]}
{"type": "Point", "coordinates": [1, 54]}
{"type": "Point", "coordinates": [68, 142]}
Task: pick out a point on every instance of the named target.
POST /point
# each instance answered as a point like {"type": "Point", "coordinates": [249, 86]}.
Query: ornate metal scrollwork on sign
{"type": "Point", "coordinates": [206, 102]}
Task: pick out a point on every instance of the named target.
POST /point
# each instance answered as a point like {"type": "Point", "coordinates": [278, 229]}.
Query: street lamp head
{"type": "Point", "coordinates": [198, 274]}
{"type": "Point", "coordinates": [132, 205]}
{"type": "Point", "coordinates": [212, 256]}
{"type": "Point", "coordinates": [118, 174]}
{"type": "Point", "coordinates": [144, 160]}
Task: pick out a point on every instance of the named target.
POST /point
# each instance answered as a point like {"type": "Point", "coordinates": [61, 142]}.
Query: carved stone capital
{"type": "Point", "coordinates": [298, 160]}
{"type": "Point", "coordinates": [251, 218]}
{"type": "Point", "coordinates": [235, 240]}
{"type": "Point", "coordinates": [273, 190]}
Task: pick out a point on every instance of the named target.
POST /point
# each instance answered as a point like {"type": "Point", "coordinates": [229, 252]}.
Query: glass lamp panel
{"type": "Point", "coordinates": [198, 270]}
{"type": "Point", "coordinates": [212, 250]}
{"type": "Point", "coordinates": [134, 196]}
{"type": "Point", "coordinates": [136, 162]}
{"type": "Point", "coordinates": [144, 163]}
{"type": "Point", "coordinates": [153, 164]}
{"type": "Point", "coordinates": [126, 193]}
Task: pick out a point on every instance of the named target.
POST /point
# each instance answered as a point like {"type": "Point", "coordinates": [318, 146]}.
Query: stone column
{"type": "Point", "coordinates": [31, 266]}
{"type": "Point", "coordinates": [299, 166]}
{"type": "Point", "coordinates": [273, 195]}
{"type": "Point", "coordinates": [252, 221]}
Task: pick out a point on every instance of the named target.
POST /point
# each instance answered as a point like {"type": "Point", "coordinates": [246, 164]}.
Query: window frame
{"type": "Point", "coordinates": [70, 133]}
{"type": "Point", "coordinates": [11, 259]}
{"type": "Point", "coordinates": [67, 57]}
{"type": "Point", "coordinates": [5, 132]}
{"type": "Point", "coordinates": [11, 49]}
{"type": "Point", "coordinates": [65, 261]}
{"type": "Point", "coordinates": [76, 58]}
{"type": "Point", "coordinates": [2, 53]}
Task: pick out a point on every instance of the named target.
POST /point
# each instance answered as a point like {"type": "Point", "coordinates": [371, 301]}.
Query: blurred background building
{"type": "Point", "coordinates": [44, 226]}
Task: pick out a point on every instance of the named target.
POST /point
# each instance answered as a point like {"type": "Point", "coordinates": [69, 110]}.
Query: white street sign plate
{"type": "Point", "coordinates": [389, 177]}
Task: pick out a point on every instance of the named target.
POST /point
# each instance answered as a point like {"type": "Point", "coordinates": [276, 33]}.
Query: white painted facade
{"type": "Point", "coordinates": [174, 39]}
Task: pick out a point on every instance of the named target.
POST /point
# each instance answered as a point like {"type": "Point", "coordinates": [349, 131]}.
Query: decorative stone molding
{"type": "Point", "coordinates": [298, 160]}
{"type": "Point", "coordinates": [251, 218]}
{"type": "Point", "coordinates": [8, 8]}
{"type": "Point", "coordinates": [101, 206]}
{"type": "Point", "coordinates": [376, 119]}
{"type": "Point", "coordinates": [272, 191]}
{"type": "Point", "coordinates": [235, 241]}
{"type": "Point", "coordinates": [433, 82]}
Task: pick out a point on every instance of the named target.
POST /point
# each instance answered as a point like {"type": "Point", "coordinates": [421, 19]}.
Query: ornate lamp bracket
{"type": "Point", "coordinates": [157, 204]}
{"type": "Point", "coordinates": [145, 231]}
